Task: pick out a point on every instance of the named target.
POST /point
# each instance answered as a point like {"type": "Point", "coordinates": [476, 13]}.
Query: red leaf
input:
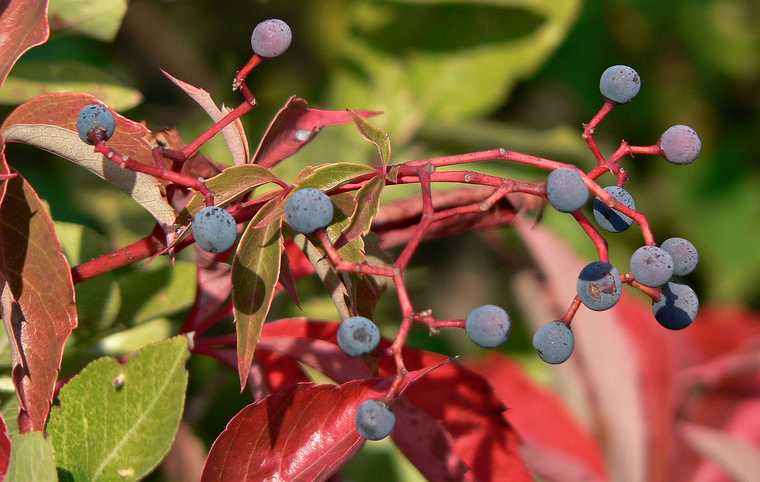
{"type": "Point", "coordinates": [542, 420]}
{"type": "Point", "coordinates": [213, 286]}
{"type": "Point", "coordinates": [462, 401]}
{"type": "Point", "coordinates": [23, 25]}
{"type": "Point", "coordinates": [427, 444]}
{"type": "Point", "coordinates": [737, 449]}
{"type": "Point", "coordinates": [279, 370]}
{"type": "Point", "coordinates": [305, 432]}
{"type": "Point", "coordinates": [5, 449]}
{"type": "Point", "coordinates": [38, 305]}
{"type": "Point", "coordinates": [184, 462]}
{"type": "Point", "coordinates": [294, 126]}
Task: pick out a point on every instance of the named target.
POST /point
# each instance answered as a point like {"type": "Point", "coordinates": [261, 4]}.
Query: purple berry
{"type": "Point", "coordinates": [554, 342]}
{"type": "Point", "coordinates": [678, 307]}
{"type": "Point", "coordinates": [620, 83]}
{"type": "Point", "coordinates": [651, 266]}
{"type": "Point", "coordinates": [566, 190]}
{"type": "Point", "coordinates": [374, 420]}
{"type": "Point", "coordinates": [488, 326]}
{"type": "Point", "coordinates": [599, 286]}
{"type": "Point", "coordinates": [680, 144]}
{"type": "Point", "coordinates": [271, 38]}
{"type": "Point", "coordinates": [684, 254]}
{"type": "Point", "coordinates": [611, 219]}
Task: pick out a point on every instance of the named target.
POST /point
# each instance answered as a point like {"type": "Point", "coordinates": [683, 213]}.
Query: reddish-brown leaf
{"type": "Point", "coordinates": [38, 305]}
{"type": "Point", "coordinates": [305, 433]}
{"type": "Point", "coordinates": [294, 126]}
{"type": "Point", "coordinates": [49, 122]}
{"type": "Point", "coordinates": [234, 135]}
{"type": "Point", "coordinates": [23, 25]}
{"type": "Point", "coordinates": [461, 400]}
{"type": "Point", "coordinates": [5, 449]}
{"type": "Point", "coordinates": [213, 286]}
{"type": "Point", "coordinates": [426, 443]}
{"type": "Point", "coordinates": [184, 462]}
{"type": "Point", "coordinates": [542, 420]}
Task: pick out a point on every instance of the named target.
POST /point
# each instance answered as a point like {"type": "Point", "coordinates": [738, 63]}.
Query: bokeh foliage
{"type": "Point", "coordinates": [451, 76]}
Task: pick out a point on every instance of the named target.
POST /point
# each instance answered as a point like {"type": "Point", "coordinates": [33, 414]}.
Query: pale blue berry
{"type": "Point", "coordinates": [488, 326]}
{"type": "Point", "coordinates": [95, 122]}
{"type": "Point", "coordinates": [214, 229]}
{"type": "Point", "coordinates": [308, 210]}
{"type": "Point", "coordinates": [374, 420]}
{"type": "Point", "coordinates": [358, 336]}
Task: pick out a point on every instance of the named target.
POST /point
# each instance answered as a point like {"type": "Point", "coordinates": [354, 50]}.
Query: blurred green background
{"type": "Point", "coordinates": [451, 76]}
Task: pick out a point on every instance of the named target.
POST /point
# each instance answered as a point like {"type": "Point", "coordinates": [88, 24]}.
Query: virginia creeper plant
{"type": "Point", "coordinates": [255, 234]}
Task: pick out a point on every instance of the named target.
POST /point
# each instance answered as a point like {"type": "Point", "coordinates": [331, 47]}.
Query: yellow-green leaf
{"type": "Point", "coordinates": [329, 176]}
{"type": "Point", "coordinates": [367, 204]}
{"type": "Point", "coordinates": [31, 459]}
{"type": "Point", "coordinates": [31, 78]}
{"type": "Point", "coordinates": [255, 271]}
{"type": "Point", "coordinates": [375, 135]}
{"type": "Point", "coordinates": [100, 20]}
{"type": "Point", "coordinates": [227, 186]}
{"type": "Point", "coordinates": [117, 421]}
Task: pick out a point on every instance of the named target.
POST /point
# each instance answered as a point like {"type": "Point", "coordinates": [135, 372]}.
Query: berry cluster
{"type": "Point", "coordinates": [309, 211]}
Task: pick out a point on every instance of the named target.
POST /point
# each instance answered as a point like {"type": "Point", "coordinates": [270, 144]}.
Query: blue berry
{"type": "Point", "coordinates": [599, 286]}
{"type": "Point", "coordinates": [358, 336]}
{"type": "Point", "coordinates": [488, 326]}
{"type": "Point", "coordinates": [554, 342]}
{"type": "Point", "coordinates": [651, 266]}
{"type": "Point", "coordinates": [95, 122]}
{"type": "Point", "coordinates": [566, 190]}
{"type": "Point", "coordinates": [620, 83]}
{"type": "Point", "coordinates": [684, 254]}
{"type": "Point", "coordinates": [271, 38]}
{"type": "Point", "coordinates": [308, 210]}
{"type": "Point", "coordinates": [214, 229]}
{"type": "Point", "coordinates": [680, 144]}
{"type": "Point", "coordinates": [677, 308]}
{"type": "Point", "coordinates": [611, 219]}
{"type": "Point", "coordinates": [374, 420]}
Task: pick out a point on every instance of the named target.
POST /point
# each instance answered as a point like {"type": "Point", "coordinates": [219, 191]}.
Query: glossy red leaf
{"type": "Point", "coordinates": [294, 126]}
{"type": "Point", "coordinates": [5, 449]}
{"type": "Point", "coordinates": [460, 400]}
{"type": "Point", "coordinates": [542, 420]}
{"type": "Point", "coordinates": [279, 370]}
{"type": "Point", "coordinates": [305, 432]}
{"type": "Point", "coordinates": [38, 305]}
{"type": "Point", "coordinates": [23, 25]}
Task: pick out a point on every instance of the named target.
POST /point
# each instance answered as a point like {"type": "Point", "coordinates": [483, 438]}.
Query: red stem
{"type": "Point", "coordinates": [158, 172]}
{"type": "Point", "coordinates": [588, 130]}
{"type": "Point", "coordinates": [599, 242]}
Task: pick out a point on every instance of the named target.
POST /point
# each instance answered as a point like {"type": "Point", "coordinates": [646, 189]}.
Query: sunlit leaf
{"type": "Point", "coordinates": [378, 137]}
{"type": "Point", "coordinates": [255, 270]}
{"type": "Point", "coordinates": [234, 135]}
{"type": "Point", "coordinates": [100, 20]}
{"type": "Point", "coordinates": [31, 459]}
{"type": "Point", "coordinates": [49, 122]}
{"type": "Point", "coordinates": [23, 25]}
{"type": "Point", "coordinates": [294, 126]}
{"type": "Point", "coordinates": [35, 77]}
{"type": "Point", "coordinates": [38, 305]}
{"type": "Point", "coordinates": [117, 421]}
{"type": "Point", "coordinates": [227, 186]}
{"type": "Point", "coordinates": [329, 176]}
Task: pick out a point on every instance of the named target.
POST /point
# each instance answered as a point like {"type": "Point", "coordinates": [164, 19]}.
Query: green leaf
{"type": "Point", "coordinates": [117, 421]}
{"type": "Point", "coordinates": [9, 411]}
{"type": "Point", "coordinates": [227, 186]}
{"type": "Point", "coordinates": [329, 176]}
{"type": "Point", "coordinates": [5, 348]}
{"type": "Point", "coordinates": [378, 137]}
{"type": "Point", "coordinates": [98, 300]}
{"type": "Point", "coordinates": [135, 338]}
{"type": "Point", "coordinates": [255, 271]}
{"type": "Point", "coordinates": [367, 203]}
{"type": "Point", "coordinates": [158, 291]}
{"type": "Point", "coordinates": [31, 459]}
{"type": "Point", "coordinates": [31, 78]}
{"type": "Point", "coordinates": [388, 64]}
{"type": "Point", "coordinates": [100, 20]}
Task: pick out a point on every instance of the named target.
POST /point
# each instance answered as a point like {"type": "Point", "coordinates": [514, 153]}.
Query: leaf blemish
{"type": "Point", "coordinates": [118, 381]}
